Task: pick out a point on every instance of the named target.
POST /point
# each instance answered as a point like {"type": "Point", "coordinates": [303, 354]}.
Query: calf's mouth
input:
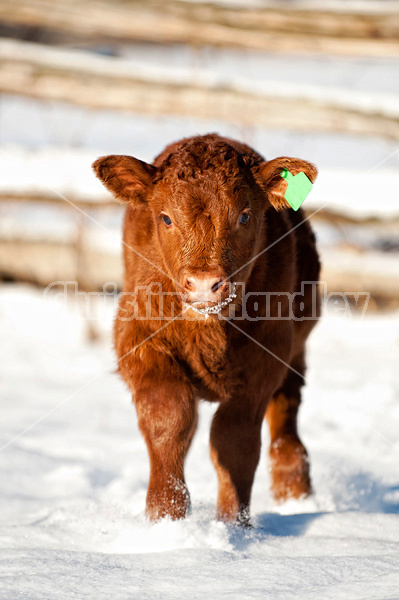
{"type": "Point", "coordinates": [213, 308]}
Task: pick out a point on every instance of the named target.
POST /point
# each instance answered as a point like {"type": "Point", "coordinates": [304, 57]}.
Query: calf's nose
{"type": "Point", "coordinates": [205, 289]}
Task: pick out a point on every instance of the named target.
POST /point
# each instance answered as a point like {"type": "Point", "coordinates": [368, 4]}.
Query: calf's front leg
{"type": "Point", "coordinates": [167, 416]}
{"type": "Point", "coordinates": [235, 449]}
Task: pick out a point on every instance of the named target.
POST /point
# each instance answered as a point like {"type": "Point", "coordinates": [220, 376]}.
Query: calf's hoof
{"type": "Point", "coordinates": [232, 516]}
{"type": "Point", "coordinates": [170, 501]}
{"type": "Point", "coordinates": [289, 467]}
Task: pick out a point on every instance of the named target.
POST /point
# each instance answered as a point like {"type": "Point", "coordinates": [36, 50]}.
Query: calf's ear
{"type": "Point", "coordinates": [268, 176]}
{"type": "Point", "coordinates": [126, 177]}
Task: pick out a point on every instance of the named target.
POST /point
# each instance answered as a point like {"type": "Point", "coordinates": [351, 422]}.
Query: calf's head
{"type": "Point", "coordinates": [209, 204]}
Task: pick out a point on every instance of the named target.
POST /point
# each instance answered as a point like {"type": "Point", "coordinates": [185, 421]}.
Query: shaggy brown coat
{"type": "Point", "coordinates": [184, 231]}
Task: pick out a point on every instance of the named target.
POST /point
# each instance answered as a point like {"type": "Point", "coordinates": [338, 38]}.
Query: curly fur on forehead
{"type": "Point", "coordinates": [199, 156]}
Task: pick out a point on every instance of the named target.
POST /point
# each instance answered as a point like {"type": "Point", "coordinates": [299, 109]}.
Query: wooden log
{"type": "Point", "coordinates": [325, 215]}
{"type": "Point", "coordinates": [44, 262]}
{"type": "Point", "coordinates": [40, 258]}
{"type": "Point", "coordinates": [374, 272]}
{"type": "Point", "coordinates": [82, 202]}
{"type": "Point", "coordinates": [108, 83]}
{"type": "Point", "coordinates": [286, 27]}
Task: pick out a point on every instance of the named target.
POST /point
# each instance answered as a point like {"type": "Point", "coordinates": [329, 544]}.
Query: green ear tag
{"type": "Point", "coordinates": [298, 188]}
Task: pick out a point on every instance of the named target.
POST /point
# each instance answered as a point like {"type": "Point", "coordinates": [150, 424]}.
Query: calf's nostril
{"type": "Point", "coordinates": [217, 285]}
{"type": "Point", "coordinates": [189, 285]}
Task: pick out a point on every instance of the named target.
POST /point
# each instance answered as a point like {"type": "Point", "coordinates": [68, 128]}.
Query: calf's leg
{"type": "Point", "coordinates": [235, 448]}
{"type": "Point", "coordinates": [289, 464]}
{"type": "Point", "coordinates": [167, 416]}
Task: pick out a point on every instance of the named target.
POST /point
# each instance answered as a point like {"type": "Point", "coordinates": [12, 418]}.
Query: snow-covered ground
{"type": "Point", "coordinates": [74, 472]}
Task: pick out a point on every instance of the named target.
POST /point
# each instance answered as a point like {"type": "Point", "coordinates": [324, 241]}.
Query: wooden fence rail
{"type": "Point", "coordinates": [278, 26]}
{"type": "Point", "coordinates": [109, 83]}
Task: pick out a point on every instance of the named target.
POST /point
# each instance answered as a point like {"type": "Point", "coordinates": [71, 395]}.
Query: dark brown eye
{"type": "Point", "coordinates": [167, 220]}
{"type": "Point", "coordinates": [244, 219]}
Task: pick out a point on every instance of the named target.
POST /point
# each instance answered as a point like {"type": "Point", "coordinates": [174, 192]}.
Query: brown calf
{"type": "Point", "coordinates": [227, 318]}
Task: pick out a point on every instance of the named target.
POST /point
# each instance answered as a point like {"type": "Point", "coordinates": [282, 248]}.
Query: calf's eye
{"type": "Point", "coordinates": [167, 220]}
{"type": "Point", "coordinates": [244, 219]}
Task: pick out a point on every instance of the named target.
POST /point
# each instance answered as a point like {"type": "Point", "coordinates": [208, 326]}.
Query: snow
{"type": "Point", "coordinates": [74, 472]}
{"type": "Point", "coordinates": [47, 125]}
{"type": "Point", "coordinates": [357, 194]}
{"type": "Point", "coordinates": [350, 6]}
{"type": "Point", "coordinates": [52, 172]}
